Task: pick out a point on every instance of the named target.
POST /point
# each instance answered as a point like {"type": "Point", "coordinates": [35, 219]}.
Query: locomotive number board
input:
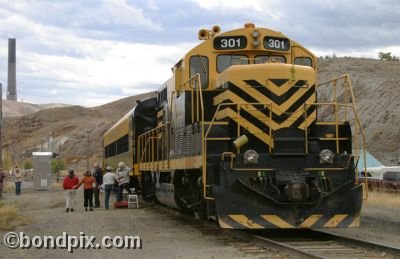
{"type": "Point", "coordinates": [230, 42]}
{"type": "Point", "coordinates": [275, 43]}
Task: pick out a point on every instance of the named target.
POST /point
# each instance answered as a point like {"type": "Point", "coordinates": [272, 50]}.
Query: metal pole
{"type": "Point", "coordinates": [50, 142]}
{"type": "Point", "coordinates": [87, 150]}
{"type": "Point", "coordinates": [1, 125]}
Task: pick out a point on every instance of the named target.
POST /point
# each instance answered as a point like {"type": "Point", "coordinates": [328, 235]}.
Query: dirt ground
{"type": "Point", "coordinates": [162, 237]}
{"type": "Point", "coordinates": [380, 220]}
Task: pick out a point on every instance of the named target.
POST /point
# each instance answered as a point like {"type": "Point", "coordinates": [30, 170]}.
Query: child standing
{"type": "Point", "coordinates": [88, 181]}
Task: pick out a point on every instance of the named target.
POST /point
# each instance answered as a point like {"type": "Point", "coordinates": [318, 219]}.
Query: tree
{"type": "Point", "coordinates": [28, 164]}
{"type": "Point", "coordinates": [7, 160]}
{"type": "Point", "coordinates": [57, 165]}
{"type": "Point", "coordinates": [387, 56]}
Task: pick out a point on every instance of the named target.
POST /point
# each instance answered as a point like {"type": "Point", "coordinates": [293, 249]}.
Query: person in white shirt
{"type": "Point", "coordinates": [17, 180]}
{"type": "Point", "coordinates": [108, 182]}
{"type": "Point", "coordinates": [123, 180]}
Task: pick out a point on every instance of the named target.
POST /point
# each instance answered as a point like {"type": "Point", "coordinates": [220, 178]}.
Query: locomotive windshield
{"type": "Point", "coordinates": [264, 59]}
{"type": "Point", "coordinates": [225, 61]}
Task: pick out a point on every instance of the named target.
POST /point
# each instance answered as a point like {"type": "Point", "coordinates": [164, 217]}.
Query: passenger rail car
{"type": "Point", "coordinates": [238, 134]}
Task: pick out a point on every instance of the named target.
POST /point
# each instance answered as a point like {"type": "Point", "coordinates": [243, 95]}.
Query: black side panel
{"type": "Point", "coordinates": [209, 108]}
{"type": "Point", "coordinates": [145, 116]}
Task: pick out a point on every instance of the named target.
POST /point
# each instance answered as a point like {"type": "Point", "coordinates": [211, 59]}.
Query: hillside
{"type": "Point", "coordinates": [68, 127]}
{"type": "Point", "coordinates": [17, 109]}
{"type": "Point", "coordinates": [376, 87]}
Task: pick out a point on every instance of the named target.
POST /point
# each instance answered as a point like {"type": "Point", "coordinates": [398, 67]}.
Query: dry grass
{"type": "Point", "coordinates": [57, 186]}
{"type": "Point", "coordinates": [383, 199]}
{"type": "Point", "coordinates": [8, 187]}
{"type": "Point", "coordinates": [10, 217]}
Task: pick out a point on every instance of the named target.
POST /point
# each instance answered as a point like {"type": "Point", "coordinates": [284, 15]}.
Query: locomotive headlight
{"type": "Point", "coordinates": [326, 156]}
{"type": "Point", "coordinates": [255, 43]}
{"type": "Point", "coordinates": [250, 157]}
{"type": "Point", "coordinates": [255, 34]}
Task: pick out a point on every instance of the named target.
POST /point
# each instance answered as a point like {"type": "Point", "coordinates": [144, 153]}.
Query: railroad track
{"type": "Point", "coordinates": [285, 243]}
{"type": "Point", "coordinates": [321, 244]}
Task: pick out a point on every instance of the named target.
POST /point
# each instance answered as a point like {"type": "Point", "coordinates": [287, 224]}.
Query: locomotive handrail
{"type": "Point", "coordinates": [349, 96]}
{"type": "Point", "coordinates": [200, 117]}
{"type": "Point", "coordinates": [195, 78]}
{"type": "Point", "coordinates": [147, 145]}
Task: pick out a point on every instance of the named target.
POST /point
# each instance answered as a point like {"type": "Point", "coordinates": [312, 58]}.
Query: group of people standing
{"type": "Point", "coordinates": [92, 183]}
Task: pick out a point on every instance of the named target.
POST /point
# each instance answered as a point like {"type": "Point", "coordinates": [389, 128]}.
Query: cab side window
{"type": "Point", "coordinates": [199, 64]}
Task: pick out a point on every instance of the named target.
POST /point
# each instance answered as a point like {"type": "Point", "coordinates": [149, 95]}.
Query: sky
{"type": "Point", "coordinates": [93, 52]}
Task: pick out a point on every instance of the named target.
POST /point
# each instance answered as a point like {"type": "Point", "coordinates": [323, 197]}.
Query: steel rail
{"type": "Point", "coordinates": [322, 244]}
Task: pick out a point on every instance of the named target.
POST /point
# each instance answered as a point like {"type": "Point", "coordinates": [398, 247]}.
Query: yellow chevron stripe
{"type": "Point", "coordinates": [262, 117]}
{"type": "Point", "coordinates": [245, 221]}
{"type": "Point", "coordinates": [310, 221]}
{"type": "Point", "coordinates": [356, 222]}
{"type": "Point", "coordinates": [295, 115]}
{"type": "Point", "coordinates": [278, 90]}
{"type": "Point", "coordinates": [223, 224]}
{"type": "Point", "coordinates": [272, 87]}
{"type": "Point", "coordinates": [236, 99]}
{"type": "Point", "coordinates": [228, 112]}
{"type": "Point", "coordinates": [277, 109]}
{"type": "Point", "coordinates": [277, 221]}
{"type": "Point", "coordinates": [264, 99]}
{"type": "Point", "coordinates": [309, 120]}
{"type": "Point", "coordinates": [335, 220]}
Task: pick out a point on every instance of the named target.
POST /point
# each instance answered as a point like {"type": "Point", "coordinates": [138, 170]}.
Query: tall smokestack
{"type": "Point", "coordinates": [12, 78]}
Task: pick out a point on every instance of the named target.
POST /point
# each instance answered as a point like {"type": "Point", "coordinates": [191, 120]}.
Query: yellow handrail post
{"type": "Point", "coordinates": [270, 128]}
{"type": "Point", "coordinates": [305, 129]}
{"type": "Point", "coordinates": [336, 107]}
{"type": "Point", "coordinates": [349, 102]}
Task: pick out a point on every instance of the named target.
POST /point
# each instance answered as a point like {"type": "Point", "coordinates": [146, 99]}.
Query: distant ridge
{"type": "Point", "coordinates": [69, 126]}
{"type": "Point", "coordinates": [18, 109]}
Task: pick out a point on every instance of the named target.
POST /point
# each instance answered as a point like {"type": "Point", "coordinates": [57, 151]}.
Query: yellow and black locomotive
{"type": "Point", "coordinates": [238, 134]}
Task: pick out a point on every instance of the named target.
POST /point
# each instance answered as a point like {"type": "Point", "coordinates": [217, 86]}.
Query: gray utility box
{"type": "Point", "coordinates": [42, 170]}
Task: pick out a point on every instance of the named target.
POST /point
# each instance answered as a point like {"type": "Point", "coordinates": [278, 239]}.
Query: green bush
{"type": "Point", "coordinates": [57, 165]}
{"type": "Point", "coordinates": [28, 164]}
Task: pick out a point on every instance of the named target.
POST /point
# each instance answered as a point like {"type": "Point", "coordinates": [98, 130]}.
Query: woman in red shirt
{"type": "Point", "coordinates": [88, 180]}
{"type": "Point", "coordinates": [70, 181]}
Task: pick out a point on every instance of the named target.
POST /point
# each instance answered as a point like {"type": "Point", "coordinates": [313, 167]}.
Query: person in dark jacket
{"type": "Point", "coordinates": [69, 183]}
{"type": "Point", "coordinates": [98, 175]}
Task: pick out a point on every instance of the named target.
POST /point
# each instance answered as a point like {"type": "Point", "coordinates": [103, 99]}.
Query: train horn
{"type": "Point", "coordinates": [216, 29]}
{"type": "Point", "coordinates": [203, 34]}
